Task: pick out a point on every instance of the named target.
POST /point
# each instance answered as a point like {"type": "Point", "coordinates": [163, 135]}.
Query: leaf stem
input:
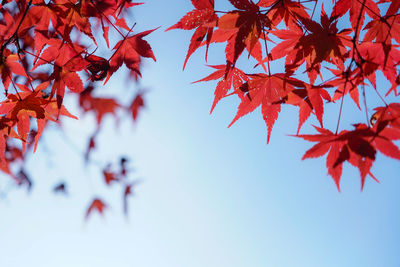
{"type": "Point", "coordinates": [15, 88]}
{"type": "Point", "coordinates": [266, 50]}
{"type": "Point", "coordinates": [365, 105]}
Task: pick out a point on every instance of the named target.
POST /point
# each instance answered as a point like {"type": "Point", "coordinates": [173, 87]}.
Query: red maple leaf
{"type": "Point", "coordinates": [308, 100]}
{"type": "Point", "coordinates": [109, 177]}
{"type": "Point", "coordinates": [204, 13]}
{"type": "Point", "coordinates": [67, 61]}
{"type": "Point", "coordinates": [358, 147]}
{"type": "Point", "coordinates": [322, 43]}
{"type": "Point", "coordinates": [266, 91]}
{"type": "Point", "coordinates": [99, 105]}
{"type": "Point", "coordinates": [65, 78]}
{"type": "Point", "coordinates": [357, 8]}
{"type": "Point", "coordinates": [374, 56]}
{"type": "Point", "coordinates": [128, 51]}
{"type": "Point", "coordinates": [137, 104]}
{"type": "Point", "coordinates": [96, 205]}
{"type": "Point", "coordinates": [244, 28]}
{"type": "Point", "coordinates": [388, 116]}
{"type": "Point", "coordinates": [72, 17]}
{"type": "Point", "coordinates": [286, 10]}
{"type": "Point", "coordinates": [10, 65]}
{"type": "Point", "coordinates": [42, 14]}
{"type": "Point", "coordinates": [20, 107]}
{"type": "Point", "coordinates": [386, 124]}
{"type": "Point", "coordinates": [14, 24]}
{"type": "Point", "coordinates": [200, 18]}
{"type": "Point", "coordinates": [59, 53]}
{"type": "Point", "coordinates": [233, 79]}
{"type": "Point", "coordinates": [383, 30]}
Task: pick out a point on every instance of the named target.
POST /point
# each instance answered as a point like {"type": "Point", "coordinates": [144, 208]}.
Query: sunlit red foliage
{"type": "Point", "coordinates": [337, 61]}
{"type": "Point", "coordinates": [51, 48]}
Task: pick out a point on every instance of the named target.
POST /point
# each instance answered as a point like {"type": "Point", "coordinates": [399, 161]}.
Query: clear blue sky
{"type": "Point", "coordinates": [210, 196]}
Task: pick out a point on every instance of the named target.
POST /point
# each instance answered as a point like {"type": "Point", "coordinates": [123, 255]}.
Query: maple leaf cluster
{"type": "Point", "coordinates": [50, 48]}
{"type": "Point", "coordinates": [338, 62]}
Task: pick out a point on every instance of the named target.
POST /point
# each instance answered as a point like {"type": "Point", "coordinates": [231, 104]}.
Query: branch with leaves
{"type": "Point", "coordinates": [337, 61]}
{"type": "Point", "coordinates": [48, 48]}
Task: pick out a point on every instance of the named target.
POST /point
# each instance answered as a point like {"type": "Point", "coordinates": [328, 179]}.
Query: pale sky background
{"type": "Point", "coordinates": [209, 196]}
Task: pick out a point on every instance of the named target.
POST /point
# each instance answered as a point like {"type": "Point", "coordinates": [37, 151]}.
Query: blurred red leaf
{"type": "Point", "coordinates": [96, 205]}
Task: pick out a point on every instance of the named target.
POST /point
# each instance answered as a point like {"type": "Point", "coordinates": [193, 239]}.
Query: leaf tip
{"type": "Point", "coordinates": [338, 186]}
